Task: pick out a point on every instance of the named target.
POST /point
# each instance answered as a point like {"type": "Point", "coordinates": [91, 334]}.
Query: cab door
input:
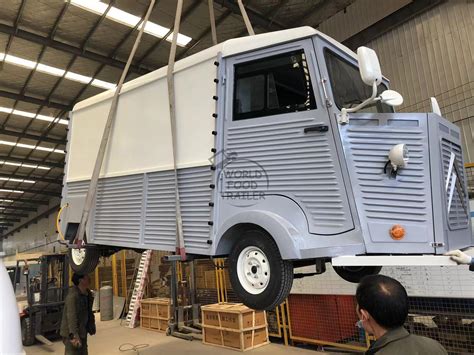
{"type": "Point", "coordinates": [276, 123]}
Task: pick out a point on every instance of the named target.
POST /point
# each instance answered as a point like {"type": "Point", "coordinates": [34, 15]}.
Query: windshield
{"type": "Point", "coordinates": [347, 86]}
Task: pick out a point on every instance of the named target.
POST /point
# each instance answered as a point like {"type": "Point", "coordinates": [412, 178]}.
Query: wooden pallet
{"type": "Point", "coordinates": [234, 326]}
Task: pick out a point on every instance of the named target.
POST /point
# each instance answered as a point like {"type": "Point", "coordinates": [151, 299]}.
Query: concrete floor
{"type": "Point", "coordinates": [110, 335]}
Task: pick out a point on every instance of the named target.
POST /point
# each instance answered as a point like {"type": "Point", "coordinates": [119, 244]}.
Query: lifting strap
{"type": "Point", "coordinates": [247, 22]}
{"type": "Point", "coordinates": [180, 248]}
{"type": "Point", "coordinates": [212, 18]}
{"type": "Point", "coordinates": [106, 134]}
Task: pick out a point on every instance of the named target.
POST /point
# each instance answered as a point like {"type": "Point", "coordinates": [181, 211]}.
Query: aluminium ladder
{"type": "Point", "coordinates": [139, 288]}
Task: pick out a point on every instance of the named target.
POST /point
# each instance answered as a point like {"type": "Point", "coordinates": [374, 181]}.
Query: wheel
{"type": "Point", "coordinates": [84, 260]}
{"type": "Point", "coordinates": [27, 331]}
{"type": "Point", "coordinates": [355, 273]}
{"type": "Point", "coordinates": [259, 276]}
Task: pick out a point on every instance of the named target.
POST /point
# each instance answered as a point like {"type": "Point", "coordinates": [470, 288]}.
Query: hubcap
{"type": "Point", "coordinates": [253, 270]}
{"type": "Point", "coordinates": [78, 255]}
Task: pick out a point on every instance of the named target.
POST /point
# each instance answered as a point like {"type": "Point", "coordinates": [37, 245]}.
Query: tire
{"type": "Point", "coordinates": [356, 273]}
{"type": "Point", "coordinates": [27, 331]}
{"type": "Point", "coordinates": [84, 260]}
{"type": "Point", "coordinates": [259, 276]}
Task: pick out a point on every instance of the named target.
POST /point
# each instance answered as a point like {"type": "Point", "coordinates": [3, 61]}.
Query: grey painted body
{"type": "Point", "coordinates": [322, 194]}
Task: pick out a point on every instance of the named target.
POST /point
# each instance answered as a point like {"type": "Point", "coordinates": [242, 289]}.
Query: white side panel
{"type": "Point", "coordinates": [141, 137]}
{"type": "Point", "coordinates": [195, 88]}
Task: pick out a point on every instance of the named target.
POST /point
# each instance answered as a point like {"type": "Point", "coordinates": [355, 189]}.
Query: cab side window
{"type": "Point", "coordinates": [272, 86]}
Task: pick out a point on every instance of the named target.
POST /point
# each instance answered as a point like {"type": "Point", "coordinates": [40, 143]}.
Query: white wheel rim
{"type": "Point", "coordinates": [253, 270]}
{"type": "Point", "coordinates": [78, 255]}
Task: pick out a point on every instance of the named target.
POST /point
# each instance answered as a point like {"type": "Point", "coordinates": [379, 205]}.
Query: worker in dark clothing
{"type": "Point", "coordinates": [382, 307]}
{"type": "Point", "coordinates": [462, 258]}
{"type": "Point", "coordinates": [78, 319]}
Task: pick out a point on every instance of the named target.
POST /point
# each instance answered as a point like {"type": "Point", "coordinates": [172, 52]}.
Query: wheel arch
{"type": "Point", "coordinates": [286, 235]}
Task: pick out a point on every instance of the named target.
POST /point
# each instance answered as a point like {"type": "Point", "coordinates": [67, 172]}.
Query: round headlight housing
{"type": "Point", "coordinates": [399, 156]}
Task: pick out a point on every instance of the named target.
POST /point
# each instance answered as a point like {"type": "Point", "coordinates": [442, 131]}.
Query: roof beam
{"type": "Point", "coordinates": [202, 35]}
{"type": "Point", "coordinates": [35, 101]}
{"type": "Point", "coordinates": [13, 214]}
{"type": "Point", "coordinates": [255, 17]}
{"type": "Point", "coordinates": [5, 219]}
{"type": "Point", "coordinates": [27, 200]}
{"type": "Point", "coordinates": [40, 192]}
{"type": "Point", "coordinates": [58, 180]}
{"type": "Point", "coordinates": [48, 164]}
{"type": "Point", "coordinates": [155, 46]}
{"type": "Point", "coordinates": [34, 137]}
{"type": "Point", "coordinates": [17, 208]}
{"type": "Point", "coordinates": [64, 47]}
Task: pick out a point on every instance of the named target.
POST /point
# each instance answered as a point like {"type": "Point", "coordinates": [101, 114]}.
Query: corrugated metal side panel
{"type": "Point", "coordinates": [160, 222]}
{"type": "Point", "coordinates": [195, 195]}
{"type": "Point", "coordinates": [432, 55]}
{"type": "Point", "coordinates": [405, 199]}
{"type": "Point", "coordinates": [139, 210]}
{"type": "Point", "coordinates": [296, 166]}
{"type": "Point", "coordinates": [358, 16]}
{"type": "Point", "coordinates": [457, 218]}
{"type": "Point", "coordinates": [78, 188]}
{"type": "Point", "coordinates": [118, 210]}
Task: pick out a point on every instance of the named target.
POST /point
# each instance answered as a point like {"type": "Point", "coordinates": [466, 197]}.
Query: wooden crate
{"type": "Point", "coordinates": [155, 313]}
{"type": "Point", "coordinates": [158, 325]}
{"type": "Point", "coordinates": [156, 308]}
{"type": "Point", "coordinates": [234, 326]}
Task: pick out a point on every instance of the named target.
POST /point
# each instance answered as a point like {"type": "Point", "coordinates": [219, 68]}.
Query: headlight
{"type": "Point", "coordinates": [399, 156]}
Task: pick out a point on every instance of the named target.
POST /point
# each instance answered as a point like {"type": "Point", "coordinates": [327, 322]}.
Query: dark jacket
{"type": "Point", "coordinates": [399, 341]}
{"type": "Point", "coordinates": [78, 318]}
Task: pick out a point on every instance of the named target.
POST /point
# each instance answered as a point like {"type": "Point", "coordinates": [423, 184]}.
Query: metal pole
{"type": "Point", "coordinates": [114, 275]}
{"type": "Point", "coordinates": [106, 134]}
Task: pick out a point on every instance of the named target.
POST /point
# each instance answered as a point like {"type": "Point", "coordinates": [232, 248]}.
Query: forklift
{"type": "Point", "coordinates": [46, 287]}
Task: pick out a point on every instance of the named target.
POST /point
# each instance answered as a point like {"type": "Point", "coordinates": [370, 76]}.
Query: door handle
{"type": "Point", "coordinates": [317, 128]}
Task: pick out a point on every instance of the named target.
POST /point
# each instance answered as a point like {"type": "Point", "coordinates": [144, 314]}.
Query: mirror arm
{"type": "Point", "coordinates": [344, 117]}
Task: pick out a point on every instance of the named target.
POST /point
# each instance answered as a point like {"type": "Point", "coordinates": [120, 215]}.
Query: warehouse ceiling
{"type": "Point", "coordinates": [54, 53]}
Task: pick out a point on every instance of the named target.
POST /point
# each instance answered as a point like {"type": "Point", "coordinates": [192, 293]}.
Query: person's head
{"type": "Point", "coordinates": [382, 302]}
{"type": "Point", "coordinates": [80, 280]}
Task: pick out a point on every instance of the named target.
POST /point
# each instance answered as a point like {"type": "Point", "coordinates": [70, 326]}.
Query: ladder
{"type": "Point", "coordinates": [139, 288]}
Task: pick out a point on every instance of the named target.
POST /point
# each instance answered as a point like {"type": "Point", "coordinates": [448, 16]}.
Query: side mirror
{"type": "Point", "coordinates": [369, 66]}
{"type": "Point", "coordinates": [391, 98]}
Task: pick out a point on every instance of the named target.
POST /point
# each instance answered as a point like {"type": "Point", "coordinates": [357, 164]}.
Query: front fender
{"type": "Point", "coordinates": [286, 235]}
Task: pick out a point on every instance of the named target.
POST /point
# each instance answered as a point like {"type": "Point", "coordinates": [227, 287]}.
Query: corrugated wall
{"type": "Point", "coordinates": [430, 55]}
{"type": "Point", "coordinates": [362, 14]}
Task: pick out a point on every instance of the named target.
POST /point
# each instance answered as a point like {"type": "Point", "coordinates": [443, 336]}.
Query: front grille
{"type": "Point", "coordinates": [384, 199]}
{"type": "Point", "coordinates": [458, 215]}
